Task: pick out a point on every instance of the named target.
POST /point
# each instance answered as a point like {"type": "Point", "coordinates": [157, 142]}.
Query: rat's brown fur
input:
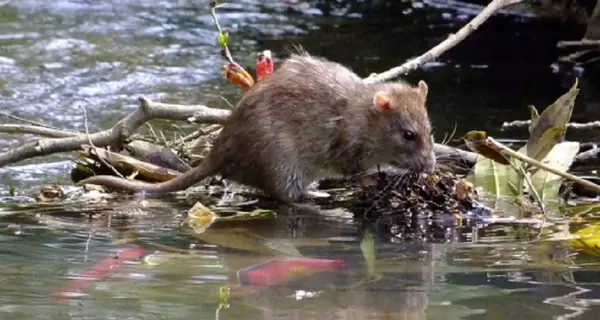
{"type": "Point", "coordinates": [310, 119]}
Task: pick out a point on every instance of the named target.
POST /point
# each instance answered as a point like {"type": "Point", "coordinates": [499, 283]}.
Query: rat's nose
{"type": "Point", "coordinates": [428, 163]}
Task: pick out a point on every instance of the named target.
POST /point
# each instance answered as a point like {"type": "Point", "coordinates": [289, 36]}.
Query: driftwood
{"type": "Point", "coordinates": [123, 129]}
{"type": "Point", "coordinates": [58, 140]}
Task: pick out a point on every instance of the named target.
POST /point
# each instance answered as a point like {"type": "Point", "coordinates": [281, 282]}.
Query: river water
{"type": "Point", "coordinates": [57, 57]}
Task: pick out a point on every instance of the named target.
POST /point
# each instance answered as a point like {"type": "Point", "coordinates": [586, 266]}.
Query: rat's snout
{"type": "Point", "coordinates": [430, 162]}
{"type": "Point", "coordinates": [425, 161]}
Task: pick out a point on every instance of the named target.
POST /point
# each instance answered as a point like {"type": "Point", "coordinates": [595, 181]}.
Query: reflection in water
{"type": "Point", "coordinates": [58, 55]}
{"type": "Point", "coordinates": [411, 281]}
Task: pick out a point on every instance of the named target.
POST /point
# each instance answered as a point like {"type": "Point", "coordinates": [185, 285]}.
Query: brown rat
{"type": "Point", "coordinates": [310, 119]}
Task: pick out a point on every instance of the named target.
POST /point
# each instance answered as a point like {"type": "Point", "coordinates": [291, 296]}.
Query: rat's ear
{"type": "Point", "coordinates": [423, 89]}
{"type": "Point", "coordinates": [382, 102]}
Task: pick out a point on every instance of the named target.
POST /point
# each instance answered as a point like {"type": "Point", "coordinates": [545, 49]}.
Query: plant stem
{"type": "Point", "coordinates": [540, 165]}
{"type": "Point", "coordinates": [213, 13]}
{"type": "Point", "coordinates": [534, 192]}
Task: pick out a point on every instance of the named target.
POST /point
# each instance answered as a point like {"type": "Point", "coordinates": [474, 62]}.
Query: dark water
{"type": "Point", "coordinates": [56, 56]}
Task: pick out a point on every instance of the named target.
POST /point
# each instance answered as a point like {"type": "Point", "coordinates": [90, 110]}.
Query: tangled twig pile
{"type": "Point", "coordinates": [437, 208]}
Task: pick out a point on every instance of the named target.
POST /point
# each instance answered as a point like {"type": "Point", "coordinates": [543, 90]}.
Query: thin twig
{"type": "Point", "coordinates": [532, 189]}
{"type": "Point", "coordinates": [31, 122]}
{"type": "Point", "coordinates": [445, 45]}
{"type": "Point", "coordinates": [164, 139]}
{"type": "Point", "coordinates": [152, 132]}
{"type": "Point", "coordinates": [227, 101]}
{"type": "Point", "coordinates": [540, 165]}
{"type": "Point", "coordinates": [87, 246]}
{"type": "Point", "coordinates": [87, 133]}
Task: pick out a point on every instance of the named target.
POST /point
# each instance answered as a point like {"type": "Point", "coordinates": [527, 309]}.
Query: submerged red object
{"type": "Point", "coordinates": [280, 271]}
{"type": "Point", "coordinates": [97, 272]}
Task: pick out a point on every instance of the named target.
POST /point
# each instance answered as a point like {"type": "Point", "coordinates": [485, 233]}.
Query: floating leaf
{"type": "Point", "coordinates": [200, 217]}
{"type": "Point", "coordinates": [223, 39]}
{"type": "Point", "coordinates": [549, 129]}
{"type": "Point", "coordinates": [238, 239]}
{"type": "Point", "coordinates": [588, 239]}
{"type": "Point", "coordinates": [156, 258]}
{"type": "Point", "coordinates": [367, 247]}
{"type": "Point", "coordinates": [245, 217]}
{"type": "Point", "coordinates": [477, 142]}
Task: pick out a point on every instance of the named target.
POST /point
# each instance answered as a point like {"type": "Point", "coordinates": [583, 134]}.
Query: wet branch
{"type": "Point", "coordinates": [445, 45]}
{"type": "Point", "coordinates": [572, 125]}
{"type": "Point", "coordinates": [146, 111]}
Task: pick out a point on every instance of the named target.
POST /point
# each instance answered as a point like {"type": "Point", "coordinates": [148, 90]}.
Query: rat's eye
{"type": "Point", "coordinates": [409, 135]}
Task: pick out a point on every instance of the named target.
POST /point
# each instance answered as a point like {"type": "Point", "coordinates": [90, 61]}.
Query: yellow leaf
{"type": "Point", "coordinates": [199, 218]}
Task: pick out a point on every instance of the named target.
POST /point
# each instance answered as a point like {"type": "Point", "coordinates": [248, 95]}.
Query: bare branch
{"type": "Point", "coordinates": [445, 45]}
{"type": "Point", "coordinates": [579, 43]}
{"type": "Point", "coordinates": [37, 130]}
{"type": "Point", "coordinates": [93, 147]}
{"type": "Point", "coordinates": [147, 110]}
{"type": "Point", "coordinates": [571, 125]}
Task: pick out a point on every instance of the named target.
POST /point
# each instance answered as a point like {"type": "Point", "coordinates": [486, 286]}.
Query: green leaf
{"type": "Point", "coordinates": [223, 39]}
{"type": "Point", "coordinates": [549, 129]}
{"type": "Point", "coordinates": [224, 293]}
{"type": "Point", "coordinates": [497, 181]}
{"type": "Point", "coordinates": [560, 157]}
{"type": "Point", "coordinates": [367, 247]}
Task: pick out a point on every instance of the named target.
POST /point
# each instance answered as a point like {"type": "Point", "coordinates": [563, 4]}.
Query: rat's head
{"type": "Point", "coordinates": [403, 128]}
